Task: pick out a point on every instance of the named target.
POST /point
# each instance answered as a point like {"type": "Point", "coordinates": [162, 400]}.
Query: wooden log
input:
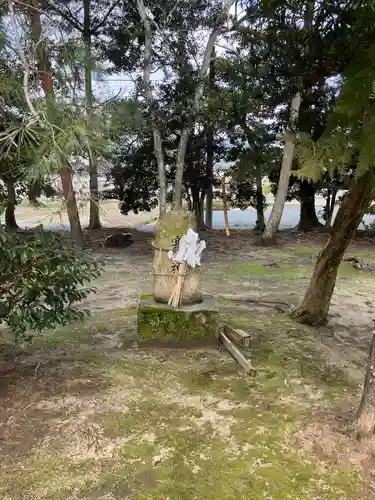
{"type": "Point", "coordinates": [237, 336]}
{"type": "Point", "coordinates": [237, 355]}
{"type": "Point", "coordinates": [366, 412]}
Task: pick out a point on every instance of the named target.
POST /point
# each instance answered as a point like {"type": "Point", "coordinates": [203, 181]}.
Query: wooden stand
{"type": "Point", "coordinates": [237, 336]}
{"type": "Point", "coordinates": [237, 354]}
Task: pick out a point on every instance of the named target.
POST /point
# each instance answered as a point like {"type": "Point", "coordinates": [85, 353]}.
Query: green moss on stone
{"type": "Point", "coordinates": [162, 323]}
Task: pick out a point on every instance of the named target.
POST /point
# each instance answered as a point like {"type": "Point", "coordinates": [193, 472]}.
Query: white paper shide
{"type": "Point", "coordinates": [189, 250]}
{"type": "Point", "coordinates": [188, 253]}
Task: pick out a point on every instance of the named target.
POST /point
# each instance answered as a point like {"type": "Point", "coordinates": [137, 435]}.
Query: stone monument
{"type": "Point", "coordinates": [177, 312]}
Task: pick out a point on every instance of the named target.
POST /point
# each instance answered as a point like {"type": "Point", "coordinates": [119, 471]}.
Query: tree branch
{"type": "Point", "coordinates": [66, 15]}
{"type": "Point", "coordinates": [98, 25]}
{"type": "Point", "coordinates": [25, 64]}
{"type": "Point", "coordinates": [182, 147]}
{"type": "Point", "coordinates": [158, 146]}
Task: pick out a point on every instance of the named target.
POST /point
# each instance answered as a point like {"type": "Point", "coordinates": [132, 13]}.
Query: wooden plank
{"type": "Point", "coordinates": [238, 356]}
{"type": "Point", "coordinates": [237, 336]}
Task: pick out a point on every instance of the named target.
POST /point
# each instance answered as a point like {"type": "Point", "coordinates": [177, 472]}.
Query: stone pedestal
{"type": "Point", "coordinates": [173, 225]}
{"type": "Point", "coordinates": [193, 324]}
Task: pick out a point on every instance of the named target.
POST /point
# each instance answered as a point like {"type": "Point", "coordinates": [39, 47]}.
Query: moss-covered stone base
{"type": "Point", "coordinates": [188, 325]}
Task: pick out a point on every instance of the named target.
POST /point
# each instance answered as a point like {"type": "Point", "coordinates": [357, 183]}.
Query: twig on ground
{"type": "Point", "coordinates": [275, 304]}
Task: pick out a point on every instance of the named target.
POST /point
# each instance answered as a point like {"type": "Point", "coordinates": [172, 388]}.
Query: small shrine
{"type": "Point", "coordinates": [177, 311]}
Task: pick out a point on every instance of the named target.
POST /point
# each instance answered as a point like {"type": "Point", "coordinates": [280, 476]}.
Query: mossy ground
{"type": "Point", "coordinates": [86, 415]}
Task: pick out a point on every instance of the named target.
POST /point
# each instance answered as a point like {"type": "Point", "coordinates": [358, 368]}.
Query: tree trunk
{"type": "Point", "coordinates": [44, 70]}
{"type": "Point", "coordinates": [198, 208]}
{"type": "Point", "coordinates": [71, 205]}
{"type": "Point", "coordinates": [209, 207]}
{"type": "Point", "coordinates": [203, 71]}
{"type": "Point", "coordinates": [315, 305]}
{"type": "Point", "coordinates": [308, 219]}
{"type": "Point", "coordinates": [327, 220]}
{"type": "Point", "coordinates": [331, 202]}
{"type": "Point", "coordinates": [189, 200]}
{"type": "Point", "coordinates": [10, 218]}
{"type": "Point", "coordinates": [366, 411]}
{"type": "Point", "coordinates": [94, 220]}
{"type": "Point", "coordinates": [210, 175]}
{"type": "Point", "coordinates": [269, 234]}
{"type": "Point", "coordinates": [158, 144]}
{"type": "Point", "coordinates": [210, 149]}
{"type": "Point", "coordinates": [225, 207]}
{"type": "Point", "coordinates": [260, 222]}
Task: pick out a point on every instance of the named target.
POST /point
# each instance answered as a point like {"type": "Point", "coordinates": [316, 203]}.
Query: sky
{"type": "Point", "coordinates": [123, 84]}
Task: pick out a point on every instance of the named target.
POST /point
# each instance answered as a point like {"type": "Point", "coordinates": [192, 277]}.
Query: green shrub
{"type": "Point", "coordinates": [42, 277]}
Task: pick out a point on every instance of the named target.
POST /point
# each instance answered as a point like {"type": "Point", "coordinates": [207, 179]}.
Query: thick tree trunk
{"type": "Point", "coordinates": [94, 220]}
{"type": "Point", "coordinates": [308, 219]}
{"type": "Point", "coordinates": [366, 411]}
{"type": "Point", "coordinates": [198, 208]}
{"type": "Point", "coordinates": [260, 222]}
{"type": "Point", "coordinates": [315, 306]}
{"type": "Point", "coordinates": [10, 217]}
{"type": "Point", "coordinates": [71, 205]}
{"type": "Point", "coordinates": [44, 70]}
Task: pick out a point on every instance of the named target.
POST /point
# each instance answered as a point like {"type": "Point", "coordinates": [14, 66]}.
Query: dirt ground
{"type": "Point", "coordinates": [87, 414]}
{"type": "Point", "coordinates": [52, 213]}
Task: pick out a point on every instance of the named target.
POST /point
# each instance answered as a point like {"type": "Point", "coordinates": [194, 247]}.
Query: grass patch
{"type": "Point", "coordinates": [285, 271]}
{"type": "Point", "coordinates": [285, 349]}
{"type": "Point", "coordinates": [181, 424]}
{"type": "Point", "coordinates": [106, 322]}
{"type": "Point", "coordinates": [305, 250]}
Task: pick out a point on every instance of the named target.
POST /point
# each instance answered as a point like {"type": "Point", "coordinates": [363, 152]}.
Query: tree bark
{"type": "Point", "coordinates": [225, 206]}
{"type": "Point", "coordinates": [198, 207]}
{"type": "Point", "coordinates": [71, 205]}
{"type": "Point", "coordinates": [272, 226]}
{"type": "Point", "coordinates": [330, 206]}
{"type": "Point", "coordinates": [158, 144]}
{"type": "Point", "coordinates": [315, 305]}
{"type": "Point", "coordinates": [260, 222]}
{"type": "Point", "coordinates": [209, 206]}
{"type": "Point", "coordinates": [366, 412]}
{"type": "Point", "coordinates": [210, 175]}
{"type": "Point", "coordinates": [44, 69]}
{"type": "Point", "coordinates": [210, 150]}
{"type": "Point", "coordinates": [203, 71]}
{"type": "Point", "coordinates": [308, 220]}
{"type": "Point", "coordinates": [10, 217]}
{"type": "Point", "coordinates": [269, 234]}
{"type": "Point", "coordinates": [94, 220]}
